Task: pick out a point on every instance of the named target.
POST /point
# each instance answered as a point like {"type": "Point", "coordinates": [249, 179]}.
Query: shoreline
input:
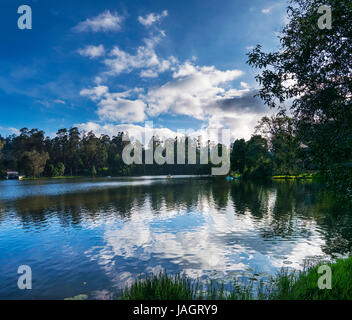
{"type": "Point", "coordinates": [305, 176]}
{"type": "Point", "coordinates": [294, 285]}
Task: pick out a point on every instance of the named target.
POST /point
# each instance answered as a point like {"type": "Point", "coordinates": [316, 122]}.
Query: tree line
{"type": "Point", "coordinates": [75, 153]}
{"type": "Point", "coordinates": [273, 149]}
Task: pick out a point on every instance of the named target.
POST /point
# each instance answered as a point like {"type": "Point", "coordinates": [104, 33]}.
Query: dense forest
{"type": "Point", "coordinates": [76, 153]}
{"type": "Point", "coordinates": [273, 149]}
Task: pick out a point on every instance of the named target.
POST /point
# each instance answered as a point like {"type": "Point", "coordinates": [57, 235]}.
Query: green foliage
{"type": "Point", "coordinates": [252, 158]}
{"type": "Point", "coordinates": [312, 71]}
{"type": "Point", "coordinates": [284, 286]}
{"type": "Point", "coordinates": [179, 287]}
{"type": "Point", "coordinates": [57, 170]}
{"type": "Point", "coordinates": [2, 173]}
{"type": "Point", "coordinates": [60, 169]}
{"type": "Point", "coordinates": [33, 162]}
{"type": "Point", "coordinates": [75, 153]}
{"type": "Point", "coordinates": [2, 144]}
{"type": "Point", "coordinates": [298, 177]}
{"type": "Point", "coordinates": [339, 177]}
{"type": "Point", "coordinates": [94, 171]}
{"type": "Point", "coordinates": [284, 145]}
{"type": "Point", "coordinates": [288, 286]}
{"type": "Point", "coordinates": [238, 156]}
{"type": "Point", "coordinates": [162, 287]}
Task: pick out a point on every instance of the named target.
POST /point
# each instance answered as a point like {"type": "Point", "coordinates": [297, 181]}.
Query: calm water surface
{"type": "Point", "coordinates": [94, 236]}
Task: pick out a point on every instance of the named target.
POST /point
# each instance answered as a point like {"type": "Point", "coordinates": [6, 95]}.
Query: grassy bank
{"type": "Point", "coordinates": [167, 287]}
{"type": "Point", "coordinates": [284, 286]}
{"type": "Point", "coordinates": [295, 177]}
{"type": "Point", "coordinates": [302, 176]}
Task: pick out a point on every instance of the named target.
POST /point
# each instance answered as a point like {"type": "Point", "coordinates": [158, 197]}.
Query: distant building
{"type": "Point", "coordinates": [11, 174]}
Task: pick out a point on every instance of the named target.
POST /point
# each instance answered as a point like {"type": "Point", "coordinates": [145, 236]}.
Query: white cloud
{"type": "Point", "coordinates": [185, 70]}
{"type": "Point", "coordinates": [119, 109]}
{"type": "Point", "coordinates": [95, 93]}
{"type": "Point", "coordinates": [105, 21]}
{"type": "Point", "coordinates": [139, 132]}
{"type": "Point", "coordinates": [92, 51]}
{"type": "Point", "coordinates": [49, 103]}
{"type": "Point", "coordinates": [145, 58]}
{"type": "Point", "coordinates": [200, 92]}
{"type": "Point", "coordinates": [240, 125]}
{"type": "Point", "coordinates": [148, 74]}
{"type": "Point", "coordinates": [152, 18]}
{"type": "Point", "coordinates": [275, 6]}
{"type": "Point", "coordinates": [59, 101]}
{"type": "Point", "coordinates": [116, 107]}
{"type": "Point", "coordinates": [9, 131]}
{"type": "Point", "coordinates": [191, 92]}
{"type": "Point", "coordinates": [245, 85]}
{"type": "Point", "coordinates": [135, 132]}
{"type": "Point", "coordinates": [266, 10]}
{"type": "Point", "coordinates": [44, 103]}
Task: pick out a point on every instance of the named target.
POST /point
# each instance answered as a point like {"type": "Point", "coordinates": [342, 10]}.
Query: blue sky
{"type": "Point", "coordinates": [111, 65]}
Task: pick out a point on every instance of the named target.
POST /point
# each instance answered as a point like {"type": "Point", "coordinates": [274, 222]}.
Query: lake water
{"type": "Point", "coordinates": [94, 236]}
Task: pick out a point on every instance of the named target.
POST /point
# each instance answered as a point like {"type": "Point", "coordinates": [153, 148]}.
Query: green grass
{"type": "Point", "coordinates": [179, 287]}
{"type": "Point", "coordinates": [293, 177]}
{"type": "Point", "coordinates": [284, 286]}
{"type": "Point", "coordinates": [303, 286]}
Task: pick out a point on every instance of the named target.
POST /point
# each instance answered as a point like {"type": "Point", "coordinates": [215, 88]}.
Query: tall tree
{"type": "Point", "coordinates": [73, 157]}
{"type": "Point", "coordinates": [280, 131]}
{"type": "Point", "coordinates": [238, 156]}
{"type": "Point", "coordinates": [2, 144]}
{"type": "Point", "coordinates": [258, 159]}
{"type": "Point", "coordinates": [312, 73]}
{"type": "Point", "coordinates": [33, 162]}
